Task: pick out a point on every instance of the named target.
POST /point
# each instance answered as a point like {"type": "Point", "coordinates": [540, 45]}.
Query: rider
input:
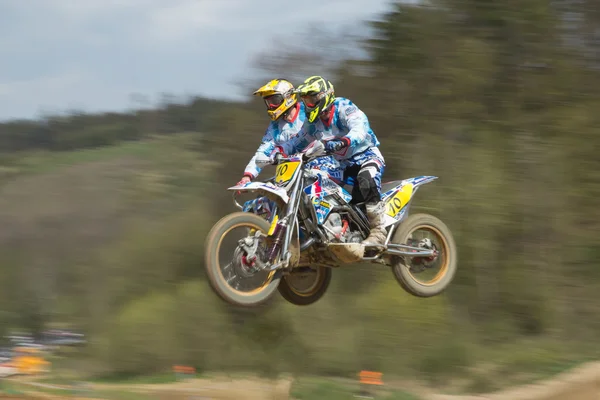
{"type": "Point", "coordinates": [287, 117]}
{"type": "Point", "coordinates": [347, 135]}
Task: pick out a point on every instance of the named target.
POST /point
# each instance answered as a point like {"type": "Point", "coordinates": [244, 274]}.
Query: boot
{"type": "Point", "coordinates": [378, 233]}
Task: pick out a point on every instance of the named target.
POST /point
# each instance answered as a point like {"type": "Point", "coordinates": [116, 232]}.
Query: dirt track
{"type": "Point", "coordinates": [581, 383]}
{"type": "Point", "coordinates": [202, 389]}
{"type": "Point", "coordinates": [217, 389]}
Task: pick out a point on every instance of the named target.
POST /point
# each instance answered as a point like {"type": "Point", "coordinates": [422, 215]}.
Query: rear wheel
{"type": "Point", "coordinates": [305, 285]}
{"type": "Point", "coordinates": [238, 279]}
{"type": "Point", "coordinates": [417, 275]}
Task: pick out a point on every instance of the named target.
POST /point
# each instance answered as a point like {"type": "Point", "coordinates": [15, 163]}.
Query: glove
{"type": "Point", "coordinates": [276, 158]}
{"type": "Point", "coordinates": [245, 179]}
{"type": "Point", "coordinates": [334, 145]}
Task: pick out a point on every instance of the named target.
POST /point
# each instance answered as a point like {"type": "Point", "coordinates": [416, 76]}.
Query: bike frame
{"type": "Point", "coordinates": [289, 221]}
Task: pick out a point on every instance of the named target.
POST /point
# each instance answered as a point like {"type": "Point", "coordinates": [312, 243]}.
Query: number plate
{"type": "Point", "coordinates": [285, 171]}
{"type": "Point", "coordinates": [396, 203]}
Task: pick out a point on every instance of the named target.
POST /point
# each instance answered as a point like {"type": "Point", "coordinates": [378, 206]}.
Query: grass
{"type": "Point", "coordinates": [303, 388]}
{"type": "Point", "coordinates": [10, 386]}
{"type": "Point", "coordinates": [308, 388]}
{"type": "Point", "coordinates": [515, 363]}
{"type": "Point", "coordinates": [46, 161]}
{"type": "Point", "coordinates": [21, 388]}
{"type": "Point", "coordinates": [493, 368]}
{"type": "Point", "coordinates": [539, 362]}
{"type": "Point", "coordinates": [167, 377]}
{"type": "Point", "coordinates": [123, 395]}
{"type": "Point", "coordinates": [176, 150]}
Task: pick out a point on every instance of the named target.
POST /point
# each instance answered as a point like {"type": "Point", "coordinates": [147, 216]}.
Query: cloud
{"type": "Point", "coordinates": [94, 53]}
{"type": "Point", "coordinates": [180, 19]}
{"type": "Point", "coordinates": [54, 83]}
{"type": "Point", "coordinates": [82, 11]}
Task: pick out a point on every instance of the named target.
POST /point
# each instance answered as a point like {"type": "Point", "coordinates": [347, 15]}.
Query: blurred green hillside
{"type": "Point", "coordinates": [104, 216]}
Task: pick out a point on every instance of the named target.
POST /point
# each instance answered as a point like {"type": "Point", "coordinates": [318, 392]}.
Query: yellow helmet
{"type": "Point", "coordinates": [279, 96]}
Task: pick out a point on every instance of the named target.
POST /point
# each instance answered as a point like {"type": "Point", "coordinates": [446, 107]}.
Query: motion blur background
{"type": "Point", "coordinates": [124, 123]}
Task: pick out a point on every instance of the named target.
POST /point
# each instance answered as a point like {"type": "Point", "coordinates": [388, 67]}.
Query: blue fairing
{"type": "Point", "coordinates": [319, 192]}
{"type": "Point", "coordinates": [260, 206]}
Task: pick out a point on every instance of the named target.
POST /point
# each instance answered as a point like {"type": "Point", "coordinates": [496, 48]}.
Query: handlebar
{"type": "Point", "coordinates": [279, 158]}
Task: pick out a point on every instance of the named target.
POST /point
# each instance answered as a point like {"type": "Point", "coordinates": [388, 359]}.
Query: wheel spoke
{"type": "Point", "coordinates": [239, 274]}
{"type": "Point", "coordinates": [425, 276]}
{"type": "Point", "coordinates": [421, 265]}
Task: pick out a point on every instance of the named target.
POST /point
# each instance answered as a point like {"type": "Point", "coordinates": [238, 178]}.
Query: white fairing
{"type": "Point", "coordinates": [313, 172]}
{"type": "Point", "coordinates": [259, 186]}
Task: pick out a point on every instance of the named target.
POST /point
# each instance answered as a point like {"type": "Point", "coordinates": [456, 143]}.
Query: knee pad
{"type": "Point", "coordinates": [366, 182]}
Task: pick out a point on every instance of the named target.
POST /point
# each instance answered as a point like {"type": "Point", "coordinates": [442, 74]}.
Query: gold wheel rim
{"type": "Point", "coordinates": [314, 289]}
{"type": "Point", "coordinates": [222, 277]}
{"type": "Point", "coordinates": [444, 268]}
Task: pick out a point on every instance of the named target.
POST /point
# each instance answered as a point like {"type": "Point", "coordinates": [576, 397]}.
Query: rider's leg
{"type": "Point", "coordinates": [369, 183]}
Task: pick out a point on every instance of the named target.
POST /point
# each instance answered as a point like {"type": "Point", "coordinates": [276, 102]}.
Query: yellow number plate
{"type": "Point", "coordinates": [396, 203]}
{"type": "Point", "coordinates": [285, 171]}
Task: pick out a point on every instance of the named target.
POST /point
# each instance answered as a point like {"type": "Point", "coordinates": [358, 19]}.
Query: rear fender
{"type": "Point", "coordinates": [397, 200]}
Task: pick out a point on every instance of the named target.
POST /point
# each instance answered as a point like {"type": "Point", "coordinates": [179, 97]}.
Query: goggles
{"type": "Point", "coordinates": [311, 100]}
{"type": "Point", "coordinates": [274, 101]}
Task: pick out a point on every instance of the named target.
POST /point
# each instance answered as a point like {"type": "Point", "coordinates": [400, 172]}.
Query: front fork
{"type": "Point", "coordinates": [279, 232]}
{"type": "Point", "coordinates": [282, 229]}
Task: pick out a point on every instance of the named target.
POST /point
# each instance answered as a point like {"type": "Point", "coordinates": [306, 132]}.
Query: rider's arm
{"type": "Point", "coordinates": [356, 122]}
{"type": "Point", "coordinates": [305, 136]}
{"type": "Point", "coordinates": [267, 147]}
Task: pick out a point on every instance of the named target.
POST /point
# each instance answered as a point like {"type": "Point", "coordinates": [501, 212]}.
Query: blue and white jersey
{"type": "Point", "coordinates": [347, 121]}
{"type": "Point", "coordinates": [280, 134]}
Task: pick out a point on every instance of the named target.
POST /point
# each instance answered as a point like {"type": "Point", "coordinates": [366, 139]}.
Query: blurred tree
{"type": "Point", "coordinates": [497, 99]}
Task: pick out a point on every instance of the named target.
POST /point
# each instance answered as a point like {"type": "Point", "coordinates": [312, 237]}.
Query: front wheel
{"type": "Point", "coordinates": [237, 279]}
{"type": "Point", "coordinates": [304, 285]}
{"type": "Point", "coordinates": [409, 271]}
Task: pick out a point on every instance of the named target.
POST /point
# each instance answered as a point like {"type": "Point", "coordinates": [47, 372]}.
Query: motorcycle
{"type": "Point", "coordinates": [302, 224]}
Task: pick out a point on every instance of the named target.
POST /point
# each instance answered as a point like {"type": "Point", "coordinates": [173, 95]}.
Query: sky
{"type": "Point", "coordinates": [92, 55]}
